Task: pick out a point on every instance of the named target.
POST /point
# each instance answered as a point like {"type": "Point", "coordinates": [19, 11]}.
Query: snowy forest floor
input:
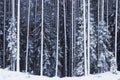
{"type": "Point", "coordinates": [11, 75]}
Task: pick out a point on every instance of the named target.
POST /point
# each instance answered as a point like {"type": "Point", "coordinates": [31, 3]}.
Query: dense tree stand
{"type": "Point", "coordinates": [60, 38]}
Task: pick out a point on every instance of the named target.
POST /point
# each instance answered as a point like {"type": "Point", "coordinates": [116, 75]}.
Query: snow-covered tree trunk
{"type": "Point", "coordinates": [100, 40]}
{"type": "Point", "coordinates": [102, 11]}
{"type": "Point", "coordinates": [116, 27]}
{"type": "Point", "coordinates": [13, 24]}
{"type": "Point", "coordinates": [4, 34]}
{"type": "Point", "coordinates": [72, 40]}
{"type": "Point", "coordinates": [85, 53]}
{"type": "Point", "coordinates": [65, 37]}
{"type": "Point", "coordinates": [35, 12]}
{"type": "Point", "coordinates": [88, 52]}
{"type": "Point", "coordinates": [105, 57]}
{"type": "Point", "coordinates": [57, 49]}
{"type": "Point", "coordinates": [41, 67]}
{"type": "Point", "coordinates": [107, 16]}
{"type": "Point", "coordinates": [12, 38]}
{"type": "Point", "coordinates": [18, 38]}
{"type": "Point", "coordinates": [27, 46]}
{"type": "Point", "coordinates": [98, 31]}
{"type": "Point", "coordinates": [13, 9]}
{"type": "Point", "coordinates": [102, 20]}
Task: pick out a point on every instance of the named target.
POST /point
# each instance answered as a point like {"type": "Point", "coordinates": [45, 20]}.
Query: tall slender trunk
{"type": "Point", "coordinates": [98, 32]}
{"type": "Point", "coordinates": [27, 46]}
{"type": "Point", "coordinates": [13, 9]}
{"type": "Point", "coordinates": [9, 9]}
{"type": "Point", "coordinates": [13, 18]}
{"type": "Point", "coordinates": [65, 35]}
{"type": "Point", "coordinates": [35, 12]}
{"type": "Point", "coordinates": [57, 37]}
{"type": "Point", "coordinates": [72, 40]}
{"type": "Point", "coordinates": [102, 12]}
{"type": "Point", "coordinates": [41, 68]}
{"type": "Point", "coordinates": [4, 43]}
{"type": "Point", "coordinates": [116, 31]}
{"type": "Point", "coordinates": [105, 27]}
{"type": "Point", "coordinates": [88, 72]}
{"type": "Point", "coordinates": [107, 16]}
{"type": "Point", "coordinates": [85, 54]}
{"type": "Point", "coordinates": [35, 21]}
{"type": "Point", "coordinates": [18, 38]}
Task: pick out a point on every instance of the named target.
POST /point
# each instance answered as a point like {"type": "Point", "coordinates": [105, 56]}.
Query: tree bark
{"type": "Point", "coordinates": [65, 35]}
{"type": "Point", "coordinates": [18, 38]}
{"type": "Point", "coordinates": [27, 46]}
{"type": "Point", "coordinates": [41, 68]}
{"type": "Point", "coordinates": [4, 41]}
{"type": "Point", "coordinates": [116, 22]}
{"type": "Point", "coordinates": [85, 54]}
{"type": "Point", "coordinates": [13, 18]}
{"type": "Point", "coordinates": [88, 65]}
{"type": "Point", "coordinates": [57, 38]}
{"type": "Point", "coordinates": [72, 41]}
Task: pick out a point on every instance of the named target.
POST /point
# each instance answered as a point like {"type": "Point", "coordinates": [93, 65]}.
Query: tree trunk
{"type": "Point", "coordinates": [65, 35]}
{"type": "Point", "coordinates": [98, 33]}
{"type": "Point", "coordinates": [116, 31]}
{"type": "Point", "coordinates": [27, 46]}
{"type": "Point", "coordinates": [57, 37]}
{"type": "Point", "coordinates": [107, 16]}
{"type": "Point", "coordinates": [102, 12]}
{"type": "Point", "coordinates": [13, 18]}
{"type": "Point", "coordinates": [85, 54]}
{"type": "Point", "coordinates": [88, 72]}
{"type": "Point", "coordinates": [41, 68]}
{"type": "Point", "coordinates": [18, 38]}
{"type": "Point", "coordinates": [35, 12]}
{"type": "Point", "coordinates": [72, 41]}
{"type": "Point", "coordinates": [4, 41]}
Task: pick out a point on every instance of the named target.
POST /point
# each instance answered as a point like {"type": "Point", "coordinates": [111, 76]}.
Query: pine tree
{"type": "Point", "coordinates": [36, 37]}
{"type": "Point", "coordinates": [93, 36]}
{"type": "Point", "coordinates": [80, 29]}
{"type": "Point", "coordinates": [111, 29]}
{"type": "Point", "coordinates": [23, 33]}
{"type": "Point", "coordinates": [12, 38]}
{"type": "Point", "coordinates": [105, 56]}
{"type": "Point", "coordinates": [34, 31]}
{"type": "Point", "coordinates": [50, 38]}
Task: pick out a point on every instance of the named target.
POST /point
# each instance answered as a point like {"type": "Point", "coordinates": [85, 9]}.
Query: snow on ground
{"type": "Point", "coordinates": [10, 75]}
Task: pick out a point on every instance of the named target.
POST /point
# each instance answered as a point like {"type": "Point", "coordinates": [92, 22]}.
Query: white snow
{"type": "Point", "coordinates": [11, 75]}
